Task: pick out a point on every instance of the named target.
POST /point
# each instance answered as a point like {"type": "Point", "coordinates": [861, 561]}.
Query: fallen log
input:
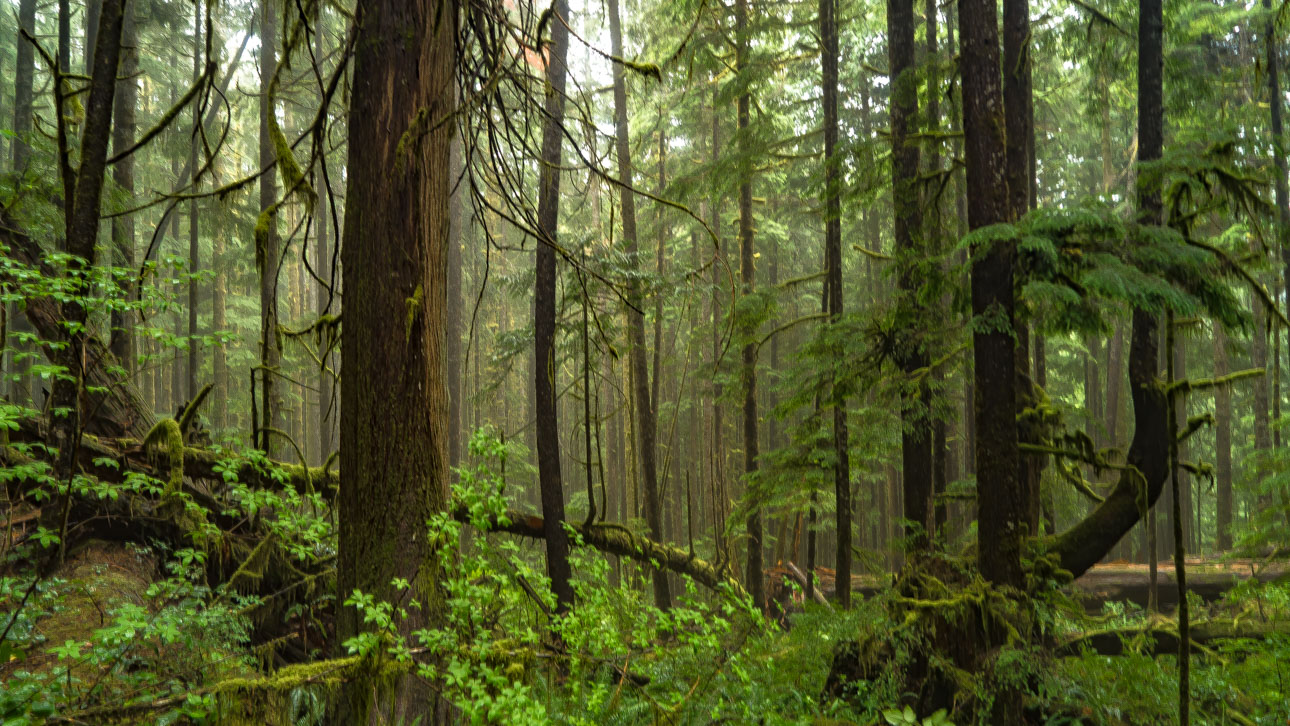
{"type": "Point", "coordinates": [1123, 582]}
{"type": "Point", "coordinates": [110, 403]}
{"type": "Point", "coordinates": [1161, 637]}
{"type": "Point", "coordinates": [111, 460]}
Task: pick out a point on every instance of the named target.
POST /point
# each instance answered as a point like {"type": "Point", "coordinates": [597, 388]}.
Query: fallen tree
{"type": "Point", "coordinates": [1160, 637]}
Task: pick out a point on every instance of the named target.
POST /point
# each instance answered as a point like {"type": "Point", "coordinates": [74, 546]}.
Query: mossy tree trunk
{"type": "Point", "coordinates": [395, 396]}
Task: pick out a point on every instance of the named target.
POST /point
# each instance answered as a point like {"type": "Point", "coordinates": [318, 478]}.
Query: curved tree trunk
{"type": "Point", "coordinates": [544, 293]}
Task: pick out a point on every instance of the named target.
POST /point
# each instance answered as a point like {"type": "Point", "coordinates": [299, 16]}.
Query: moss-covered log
{"type": "Point", "coordinates": [615, 539]}
{"type": "Point", "coordinates": [1161, 637]}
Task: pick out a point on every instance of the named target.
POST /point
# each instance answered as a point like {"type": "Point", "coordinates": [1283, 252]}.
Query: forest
{"type": "Point", "coordinates": [904, 363]}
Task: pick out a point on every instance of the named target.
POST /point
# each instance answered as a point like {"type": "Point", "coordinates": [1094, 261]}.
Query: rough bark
{"type": "Point", "coordinates": [999, 496]}
{"type": "Point", "coordinates": [544, 327]}
{"type": "Point", "coordinates": [833, 303]}
{"type": "Point", "coordinates": [123, 132]}
{"type": "Point", "coordinates": [1018, 101]}
{"type": "Point", "coordinates": [24, 72]}
{"type": "Point", "coordinates": [395, 397]}
{"type": "Point", "coordinates": [81, 229]}
{"type": "Point", "coordinates": [645, 404]}
{"type": "Point", "coordinates": [916, 430]}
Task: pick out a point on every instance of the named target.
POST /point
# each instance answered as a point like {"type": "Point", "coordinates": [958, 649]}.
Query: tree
{"type": "Point", "coordinates": [916, 428]}
{"type": "Point", "coordinates": [395, 396]}
{"type": "Point", "coordinates": [544, 363]}
{"type": "Point", "coordinates": [644, 403]}
{"type": "Point", "coordinates": [268, 256]}
{"type": "Point", "coordinates": [123, 132]}
{"type": "Point", "coordinates": [998, 490]}
{"type": "Point", "coordinates": [1019, 104]}
{"type": "Point", "coordinates": [81, 229]}
{"type": "Point", "coordinates": [194, 252]}
{"type": "Point", "coordinates": [748, 278]}
{"type": "Point", "coordinates": [833, 287]}
{"type": "Point", "coordinates": [24, 72]}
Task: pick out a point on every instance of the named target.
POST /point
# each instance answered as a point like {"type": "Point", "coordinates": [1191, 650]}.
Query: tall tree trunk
{"type": "Point", "coordinates": [1262, 430]}
{"type": "Point", "coordinates": [453, 354]}
{"type": "Point", "coordinates": [123, 131]}
{"type": "Point", "coordinates": [268, 255]}
{"type": "Point", "coordinates": [1018, 101]}
{"type": "Point", "coordinates": [544, 367]}
{"type": "Point", "coordinates": [93, 10]}
{"type": "Point", "coordinates": [194, 256]}
{"type": "Point", "coordinates": [833, 303]}
{"type": "Point", "coordinates": [645, 405]}
{"type": "Point", "coordinates": [747, 276]}
{"type": "Point", "coordinates": [81, 229]}
{"type": "Point", "coordinates": [916, 429]}
{"type": "Point", "coordinates": [1222, 445]}
{"type": "Point", "coordinates": [24, 73]}
{"type": "Point", "coordinates": [395, 394]}
{"type": "Point", "coordinates": [219, 321]}
{"type": "Point", "coordinates": [1000, 500]}
{"type": "Point", "coordinates": [720, 500]}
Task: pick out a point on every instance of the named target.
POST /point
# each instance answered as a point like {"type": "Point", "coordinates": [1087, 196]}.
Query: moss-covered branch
{"type": "Point", "coordinates": [618, 540]}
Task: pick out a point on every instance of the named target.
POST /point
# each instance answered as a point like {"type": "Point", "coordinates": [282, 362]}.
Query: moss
{"type": "Point", "coordinates": [414, 306]}
{"type": "Point", "coordinates": [292, 177]}
{"type": "Point", "coordinates": [167, 435]}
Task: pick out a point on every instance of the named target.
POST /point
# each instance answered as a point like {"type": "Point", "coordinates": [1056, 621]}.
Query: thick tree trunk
{"type": "Point", "coordinates": [999, 496]}
{"type": "Point", "coordinates": [544, 328]}
{"type": "Point", "coordinates": [833, 302]}
{"type": "Point", "coordinates": [645, 405]}
{"type": "Point", "coordinates": [24, 73]}
{"type": "Point", "coordinates": [916, 429]}
{"type": "Point", "coordinates": [123, 132]}
{"type": "Point", "coordinates": [1018, 101]}
{"type": "Point", "coordinates": [82, 226]}
{"type": "Point", "coordinates": [395, 395]}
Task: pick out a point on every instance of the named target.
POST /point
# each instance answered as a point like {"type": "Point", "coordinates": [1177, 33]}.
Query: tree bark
{"type": "Point", "coordinates": [81, 229]}
{"type": "Point", "coordinates": [833, 303]}
{"type": "Point", "coordinates": [916, 429]}
{"type": "Point", "coordinates": [194, 253]}
{"type": "Point", "coordinates": [645, 404]}
{"type": "Point", "coordinates": [1000, 500]}
{"type": "Point", "coordinates": [123, 132]}
{"type": "Point", "coordinates": [24, 73]}
{"type": "Point", "coordinates": [747, 276]}
{"type": "Point", "coordinates": [268, 255]}
{"type": "Point", "coordinates": [1088, 541]}
{"type": "Point", "coordinates": [1222, 445]}
{"type": "Point", "coordinates": [544, 327]}
{"type": "Point", "coordinates": [395, 395]}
